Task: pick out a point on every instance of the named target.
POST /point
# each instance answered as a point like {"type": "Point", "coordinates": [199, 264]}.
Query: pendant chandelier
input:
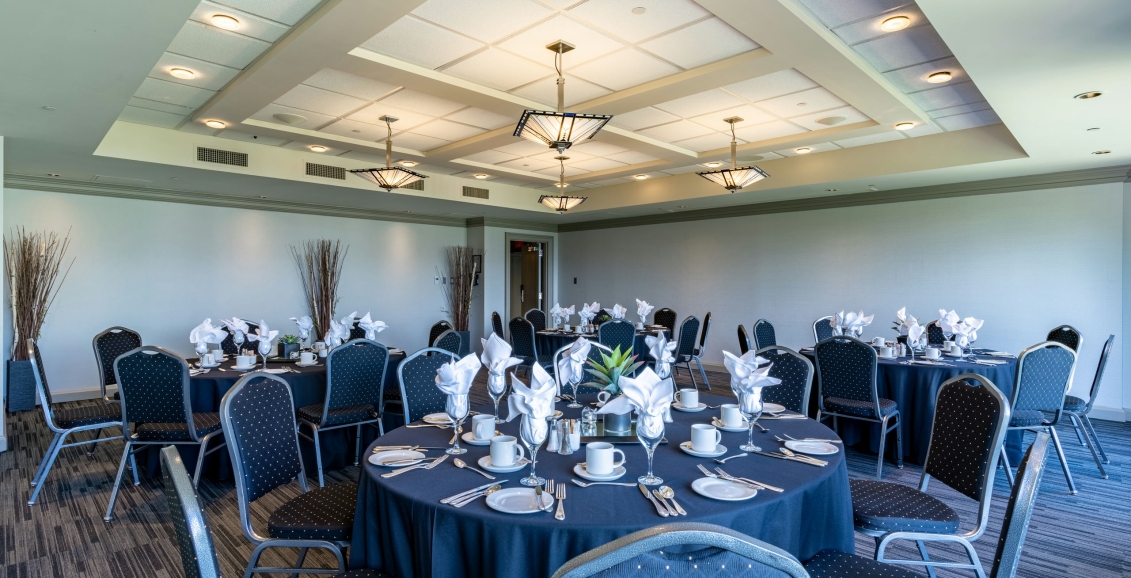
{"type": "Point", "coordinates": [561, 202]}
{"type": "Point", "coordinates": [735, 177]}
{"type": "Point", "coordinates": [390, 177]}
{"type": "Point", "coordinates": [560, 129]}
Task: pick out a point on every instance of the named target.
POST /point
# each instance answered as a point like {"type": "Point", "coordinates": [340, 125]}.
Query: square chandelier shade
{"type": "Point", "coordinates": [559, 130]}
{"type": "Point", "coordinates": [389, 178]}
{"type": "Point", "coordinates": [561, 203]}
{"type": "Point", "coordinates": [734, 179]}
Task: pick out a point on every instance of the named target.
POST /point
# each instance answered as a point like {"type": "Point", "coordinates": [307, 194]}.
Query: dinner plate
{"type": "Point", "coordinates": [718, 423]}
{"type": "Point", "coordinates": [485, 463]}
{"type": "Point", "coordinates": [720, 449]}
{"type": "Point", "coordinates": [382, 458]}
{"type": "Point", "coordinates": [580, 470]}
{"type": "Point", "coordinates": [812, 448]}
{"type": "Point", "coordinates": [519, 501]}
{"type": "Point", "coordinates": [470, 438]}
{"type": "Point", "coordinates": [700, 407]}
{"type": "Point", "coordinates": [772, 408]}
{"type": "Point", "coordinates": [438, 419]}
{"type": "Point", "coordinates": [717, 489]}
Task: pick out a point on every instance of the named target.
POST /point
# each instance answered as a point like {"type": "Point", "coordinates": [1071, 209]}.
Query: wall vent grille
{"type": "Point", "coordinates": [222, 157]}
{"type": "Point", "coordinates": [415, 185]}
{"type": "Point", "coordinates": [476, 193]}
{"type": "Point", "coordinates": [325, 171]}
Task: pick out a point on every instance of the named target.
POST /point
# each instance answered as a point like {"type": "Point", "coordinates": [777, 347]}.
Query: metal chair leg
{"type": "Point", "coordinates": [117, 483]}
{"type": "Point", "coordinates": [1063, 460]}
{"type": "Point", "coordinates": [926, 558]}
{"type": "Point", "coordinates": [357, 446]}
{"type": "Point", "coordinates": [200, 460]}
{"type": "Point", "coordinates": [1095, 456]}
{"type": "Point", "coordinates": [880, 458]}
{"type": "Point", "coordinates": [1076, 427]}
{"type": "Point", "coordinates": [692, 374]}
{"type": "Point", "coordinates": [133, 469]}
{"type": "Point", "coordinates": [317, 455]}
{"type": "Point", "coordinates": [898, 441]}
{"type": "Point", "coordinates": [58, 439]}
{"type": "Point", "coordinates": [94, 446]}
{"type": "Point", "coordinates": [298, 561]}
{"type": "Point", "coordinates": [1092, 430]}
{"type": "Point", "coordinates": [50, 460]}
{"type": "Point", "coordinates": [703, 372]}
{"type": "Point", "coordinates": [1005, 464]}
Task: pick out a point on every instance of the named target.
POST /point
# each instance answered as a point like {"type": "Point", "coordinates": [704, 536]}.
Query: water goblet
{"type": "Point", "coordinates": [650, 432]}
{"type": "Point", "coordinates": [574, 382]}
{"type": "Point", "coordinates": [751, 406]}
{"type": "Point", "coordinates": [238, 340]}
{"type": "Point", "coordinates": [457, 407]}
{"type": "Point", "coordinates": [496, 389]}
{"type": "Point", "coordinates": [201, 349]}
{"type": "Point", "coordinates": [532, 432]}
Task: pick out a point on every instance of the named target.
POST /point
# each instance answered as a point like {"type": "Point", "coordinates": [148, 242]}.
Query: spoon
{"type": "Point", "coordinates": [463, 465]}
{"type": "Point", "coordinates": [789, 453]}
{"type": "Point", "coordinates": [469, 499]}
{"type": "Point", "coordinates": [669, 494]}
{"type": "Point", "coordinates": [724, 460]}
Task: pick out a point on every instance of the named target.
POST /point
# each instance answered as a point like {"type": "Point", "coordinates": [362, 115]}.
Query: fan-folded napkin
{"type": "Point", "coordinates": [205, 333]}
{"type": "Point", "coordinates": [618, 311]}
{"type": "Point", "coordinates": [455, 379]}
{"type": "Point", "coordinates": [371, 327]}
{"type": "Point", "coordinates": [649, 395]}
{"type": "Point", "coordinates": [536, 403]}
{"type": "Point", "coordinates": [264, 335]}
{"type": "Point", "coordinates": [497, 358]}
{"type": "Point", "coordinates": [305, 326]}
{"type": "Point", "coordinates": [572, 368]}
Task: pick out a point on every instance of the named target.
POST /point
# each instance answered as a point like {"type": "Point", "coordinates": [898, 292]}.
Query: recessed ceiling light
{"type": "Point", "coordinates": [905, 126]}
{"type": "Point", "coordinates": [289, 118]}
{"type": "Point", "coordinates": [408, 164]}
{"type": "Point", "coordinates": [803, 150]}
{"type": "Point", "coordinates": [896, 23]}
{"type": "Point", "coordinates": [214, 124]}
{"type": "Point", "coordinates": [182, 73]}
{"type": "Point", "coordinates": [802, 103]}
{"type": "Point", "coordinates": [226, 22]}
{"type": "Point", "coordinates": [939, 77]}
{"type": "Point", "coordinates": [50, 108]}
{"type": "Point", "coordinates": [640, 177]}
{"type": "Point", "coordinates": [1087, 95]}
{"type": "Point", "coordinates": [712, 164]}
{"type": "Point", "coordinates": [1102, 153]}
{"type": "Point", "coordinates": [831, 120]}
{"type": "Point", "coordinates": [480, 176]}
{"type": "Point", "coordinates": [561, 185]}
{"type": "Point", "coordinates": [639, 10]}
{"type": "Point", "coordinates": [318, 148]}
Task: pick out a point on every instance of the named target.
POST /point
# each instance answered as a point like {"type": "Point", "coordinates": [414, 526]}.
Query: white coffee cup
{"type": "Point", "coordinates": [319, 345]}
{"type": "Point", "coordinates": [878, 341]}
{"type": "Point", "coordinates": [599, 458]}
{"type": "Point", "coordinates": [731, 415]}
{"type": "Point", "coordinates": [245, 361]}
{"type": "Point", "coordinates": [688, 398]}
{"type": "Point", "coordinates": [483, 426]}
{"type": "Point", "coordinates": [931, 353]}
{"type": "Point", "coordinates": [206, 359]}
{"type": "Point", "coordinates": [885, 351]}
{"type": "Point", "coordinates": [306, 357]}
{"type": "Point", "coordinates": [640, 326]}
{"type": "Point", "coordinates": [567, 328]}
{"type": "Point", "coordinates": [603, 397]}
{"type": "Point", "coordinates": [505, 451]}
{"type": "Point", "coordinates": [577, 329]}
{"type": "Point", "coordinates": [323, 352]}
{"type": "Point", "coordinates": [704, 437]}
{"type": "Point", "coordinates": [947, 346]}
{"type": "Point", "coordinates": [217, 356]}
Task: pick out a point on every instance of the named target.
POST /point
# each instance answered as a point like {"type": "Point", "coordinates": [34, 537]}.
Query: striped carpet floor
{"type": "Point", "coordinates": [64, 535]}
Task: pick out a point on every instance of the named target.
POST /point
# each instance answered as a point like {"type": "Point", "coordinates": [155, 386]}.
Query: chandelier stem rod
{"type": "Point", "coordinates": [389, 145]}
{"type": "Point", "coordinates": [733, 149]}
{"type": "Point", "coordinates": [561, 79]}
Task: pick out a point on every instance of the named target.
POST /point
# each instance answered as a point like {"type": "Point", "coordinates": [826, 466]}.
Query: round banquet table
{"type": "Point", "coordinates": [914, 389]}
{"type": "Point", "coordinates": [549, 341]}
{"type": "Point", "coordinates": [402, 529]}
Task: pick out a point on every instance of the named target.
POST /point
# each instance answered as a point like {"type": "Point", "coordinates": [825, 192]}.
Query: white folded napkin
{"type": "Point", "coordinates": [236, 326]}
{"type": "Point", "coordinates": [556, 314]}
{"type": "Point", "coordinates": [852, 322]}
{"type": "Point", "coordinates": [618, 311]}
{"type": "Point", "coordinates": [571, 369]}
{"type": "Point", "coordinates": [567, 312]}
{"type": "Point", "coordinates": [334, 334]}
{"type": "Point", "coordinates": [205, 333]}
{"type": "Point", "coordinates": [903, 321]}
{"type": "Point", "coordinates": [948, 320]}
{"type": "Point", "coordinates": [916, 336]}
{"type": "Point", "coordinates": [371, 327]}
{"type": "Point", "coordinates": [649, 396]}
{"type": "Point", "coordinates": [535, 403]}
{"type": "Point", "coordinates": [455, 379]}
{"type": "Point", "coordinates": [588, 312]}
{"type": "Point", "coordinates": [663, 352]}
{"type": "Point", "coordinates": [497, 358]}
{"type": "Point", "coordinates": [643, 309]}
{"type": "Point", "coordinates": [966, 331]}
{"type": "Point", "coordinates": [305, 326]}
{"type": "Point", "coordinates": [746, 377]}
{"type": "Point", "coordinates": [264, 335]}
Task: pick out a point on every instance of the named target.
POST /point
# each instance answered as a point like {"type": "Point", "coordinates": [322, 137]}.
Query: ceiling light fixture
{"type": "Point", "coordinates": [318, 148]}
{"type": "Point", "coordinates": [1087, 95]}
{"type": "Point", "coordinates": [559, 130]}
{"type": "Point", "coordinates": [390, 177]}
{"type": "Point", "coordinates": [289, 118]}
{"type": "Point", "coordinates": [182, 73]}
{"type": "Point", "coordinates": [803, 150]}
{"type": "Point", "coordinates": [226, 22]}
{"type": "Point", "coordinates": [905, 126]}
{"type": "Point", "coordinates": [214, 124]}
{"type": "Point", "coordinates": [713, 164]}
{"type": "Point", "coordinates": [480, 176]}
{"type": "Point", "coordinates": [896, 23]}
{"type": "Point", "coordinates": [640, 177]}
{"type": "Point", "coordinates": [639, 10]}
{"type": "Point", "coordinates": [561, 202]}
{"type": "Point", "coordinates": [1102, 153]}
{"type": "Point", "coordinates": [734, 178]}
{"type": "Point", "coordinates": [939, 77]}
{"type": "Point", "coordinates": [408, 164]}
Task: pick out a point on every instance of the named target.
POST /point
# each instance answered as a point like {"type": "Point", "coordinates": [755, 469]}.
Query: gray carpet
{"type": "Point", "coordinates": [64, 535]}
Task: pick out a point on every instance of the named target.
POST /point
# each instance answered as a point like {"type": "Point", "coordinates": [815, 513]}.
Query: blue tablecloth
{"type": "Point", "coordinates": [402, 529]}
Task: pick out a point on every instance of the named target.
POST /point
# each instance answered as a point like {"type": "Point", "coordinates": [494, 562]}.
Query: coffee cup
{"type": "Point", "coordinates": [217, 356]}
{"type": "Point", "coordinates": [931, 353]}
{"type": "Point", "coordinates": [599, 458]}
{"type": "Point", "coordinates": [640, 326]}
{"type": "Point", "coordinates": [731, 415]}
{"type": "Point", "coordinates": [323, 352]}
{"type": "Point", "coordinates": [878, 341]}
{"type": "Point", "coordinates": [505, 451]}
{"type": "Point", "coordinates": [483, 426]}
{"type": "Point", "coordinates": [885, 351]}
{"type": "Point", "coordinates": [947, 346]}
{"type": "Point", "coordinates": [306, 357]}
{"type": "Point", "coordinates": [688, 398]}
{"type": "Point", "coordinates": [603, 397]}
{"type": "Point", "coordinates": [567, 328]}
{"type": "Point", "coordinates": [704, 437]}
{"type": "Point", "coordinates": [206, 359]}
{"type": "Point", "coordinates": [245, 361]}
{"type": "Point", "coordinates": [578, 329]}
{"type": "Point", "coordinates": [319, 345]}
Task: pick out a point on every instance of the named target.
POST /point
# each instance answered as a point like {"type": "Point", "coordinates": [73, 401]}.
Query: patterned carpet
{"type": "Point", "coordinates": [64, 535]}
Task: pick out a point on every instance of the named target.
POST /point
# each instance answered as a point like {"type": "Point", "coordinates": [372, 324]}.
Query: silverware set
{"type": "Point", "coordinates": [587, 484]}
{"type": "Point", "coordinates": [550, 489]}
{"type": "Point", "coordinates": [661, 510]}
{"type": "Point", "coordinates": [665, 493]}
{"type": "Point", "coordinates": [428, 466]}
{"type": "Point", "coordinates": [461, 500]}
{"type": "Point", "coordinates": [790, 438]}
{"type": "Point", "coordinates": [794, 458]}
{"type": "Point", "coordinates": [740, 481]}
{"type": "Point", "coordinates": [466, 493]}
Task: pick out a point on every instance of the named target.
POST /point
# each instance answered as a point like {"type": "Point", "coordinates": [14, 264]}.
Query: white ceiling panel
{"type": "Point", "coordinates": [751, 159]}
{"type": "Point", "coordinates": [250, 25]}
{"type": "Point", "coordinates": [573, 155]}
{"type": "Point", "coordinates": [589, 43]}
{"type": "Point", "coordinates": [700, 104]}
{"type": "Point", "coordinates": [150, 117]}
{"type": "Point", "coordinates": [447, 130]}
{"type": "Point", "coordinates": [528, 164]}
{"type": "Point", "coordinates": [707, 142]}
{"type": "Point", "coordinates": [848, 113]}
{"type": "Point", "coordinates": [417, 141]}
{"type": "Point", "coordinates": [481, 118]}
{"type": "Point", "coordinates": [606, 182]}
{"type": "Point", "coordinates": [597, 164]}
{"type": "Point", "coordinates": [509, 181]}
{"type": "Point", "coordinates": [288, 12]}
{"type": "Point", "coordinates": [215, 45]}
{"type": "Point", "coordinates": [251, 138]}
{"type": "Point", "coordinates": [674, 131]}
{"type": "Point", "coordinates": [523, 147]}
{"type": "Point", "coordinates": [870, 139]}
{"type": "Point", "coordinates": [632, 157]}
{"type": "Point", "coordinates": [869, 28]}
{"type": "Point", "coordinates": [947, 95]}
{"type": "Point", "coordinates": [597, 148]}
{"type": "Point", "coordinates": [490, 157]}
{"type": "Point", "coordinates": [684, 170]}
{"type": "Point", "coordinates": [485, 20]}
{"type": "Point", "coordinates": [545, 91]}
{"type": "Point", "coordinates": [772, 85]}
{"type": "Point", "coordinates": [313, 119]}
{"type": "Point", "coordinates": [557, 170]}
{"type": "Point", "coordinates": [749, 114]}
{"type": "Point", "coordinates": [914, 78]}
{"type": "Point", "coordinates": [802, 103]}
{"type": "Point", "coordinates": [907, 47]}
{"type": "Point", "coordinates": [624, 69]}
{"type": "Point", "coordinates": [499, 69]}
{"type": "Point", "coordinates": [207, 75]}
{"type": "Point", "coordinates": [701, 43]}
{"type": "Point", "coordinates": [953, 110]}
{"type": "Point", "coordinates": [317, 100]}
{"type": "Point", "coordinates": [406, 119]}
{"type": "Point", "coordinates": [768, 130]}
{"type": "Point", "coordinates": [171, 92]}
{"type": "Point", "coordinates": [833, 13]}
{"type": "Point", "coordinates": [350, 84]}
{"type": "Point", "coordinates": [969, 120]}
{"type": "Point", "coordinates": [434, 170]}
{"type": "Point", "coordinates": [813, 148]}
{"type": "Point", "coordinates": [170, 108]}
{"type": "Point", "coordinates": [923, 130]}
{"type": "Point", "coordinates": [359, 130]}
{"type": "Point", "coordinates": [617, 16]}
{"type": "Point", "coordinates": [642, 118]}
{"type": "Point", "coordinates": [421, 43]}
{"type": "Point", "coordinates": [422, 103]}
{"type": "Point", "coordinates": [375, 159]}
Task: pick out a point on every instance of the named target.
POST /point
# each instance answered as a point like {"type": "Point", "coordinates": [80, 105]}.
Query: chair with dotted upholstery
{"type": "Point", "coordinates": [846, 387]}
{"type": "Point", "coordinates": [699, 549]}
{"type": "Point", "coordinates": [685, 348]}
{"type": "Point", "coordinates": [1044, 374]}
{"type": "Point", "coordinates": [602, 317]}
{"type": "Point", "coordinates": [228, 345]}
{"type": "Point", "coordinates": [1014, 526]}
{"type": "Point", "coordinates": [665, 317]}
{"type": "Point", "coordinates": [743, 340]}
{"type": "Point", "coordinates": [438, 328]}
{"type": "Point", "coordinates": [935, 335]}
{"type": "Point", "coordinates": [157, 410]}
{"type": "Point", "coordinates": [497, 325]}
{"type": "Point", "coordinates": [1068, 336]}
{"type": "Point", "coordinates": [796, 374]}
{"type": "Point", "coordinates": [701, 350]}
{"type": "Point", "coordinates": [823, 328]}
{"type": "Point", "coordinates": [108, 345]}
{"type": "Point", "coordinates": [1078, 409]}
{"type": "Point", "coordinates": [524, 344]}
{"type": "Point", "coordinates": [537, 318]}
{"type": "Point", "coordinates": [449, 341]}
{"type": "Point", "coordinates": [618, 333]}
{"type": "Point", "coordinates": [355, 378]}
{"type": "Point", "coordinates": [764, 334]}
{"type": "Point", "coordinates": [356, 332]}
{"type": "Point", "coordinates": [67, 422]}
{"type": "Point", "coordinates": [417, 378]}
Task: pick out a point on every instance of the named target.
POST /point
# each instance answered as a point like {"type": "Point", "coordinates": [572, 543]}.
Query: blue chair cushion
{"type": "Point", "coordinates": [364, 573]}
{"type": "Point", "coordinates": [88, 414]}
{"type": "Point", "coordinates": [1074, 404]}
{"type": "Point", "coordinates": [313, 414]}
{"type": "Point", "coordinates": [859, 408]}
{"type": "Point", "coordinates": [890, 507]}
{"type": "Point", "coordinates": [834, 564]}
{"type": "Point", "coordinates": [320, 514]}
{"type": "Point", "coordinates": [205, 423]}
{"type": "Point", "coordinates": [1026, 418]}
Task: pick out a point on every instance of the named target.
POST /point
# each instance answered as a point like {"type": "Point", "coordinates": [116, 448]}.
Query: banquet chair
{"type": "Point", "coordinates": [108, 345]}
{"type": "Point", "coordinates": [644, 553]}
{"type": "Point", "coordinates": [563, 353]}
{"type": "Point", "coordinates": [525, 345]}
{"type": "Point", "coordinates": [537, 317]}
{"type": "Point", "coordinates": [416, 376]}
{"type": "Point", "coordinates": [157, 410]}
{"type": "Point", "coordinates": [448, 341]}
{"type": "Point", "coordinates": [823, 328]}
{"type": "Point", "coordinates": [1068, 336]}
{"type": "Point", "coordinates": [258, 417]}
{"type": "Point", "coordinates": [355, 378]}
{"type": "Point", "coordinates": [228, 345]}
{"type": "Point", "coordinates": [1014, 527]}
{"type": "Point", "coordinates": [67, 422]}
{"type": "Point", "coordinates": [618, 333]}
{"type": "Point", "coordinates": [764, 334]}
{"type": "Point", "coordinates": [685, 349]}
{"type": "Point", "coordinates": [796, 374]}
{"type": "Point", "coordinates": [665, 317]}
{"type": "Point", "coordinates": [699, 352]}
{"type": "Point", "coordinates": [1078, 409]}
{"type": "Point", "coordinates": [356, 332]}
{"type": "Point", "coordinates": [846, 388]}
{"type": "Point", "coordinates": [935, 335]}
{"type": "Point", "coordinates": [1044, 374]}
{"type": "Point", "coordinates": [438, 328]}
{"type": "Point", "coordinates": [497, 325]}
{"type": "Point", "coordinates": [743, 340]}
{"type": "Point", "coordinates": [602, 317]}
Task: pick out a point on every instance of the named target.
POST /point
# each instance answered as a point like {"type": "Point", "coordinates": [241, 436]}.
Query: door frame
{"type": "Point", "coordinates": [550, 265]}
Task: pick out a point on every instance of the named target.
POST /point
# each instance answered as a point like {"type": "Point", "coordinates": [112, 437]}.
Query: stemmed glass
{"type": "Point", "coordinates": [238, 339]}
{"type": "Point", "coordinates": [574, 381]}
{"type": "Point", "coordinates": [264, 351]}
{"type": "Point", "coordinates": [201, 349]}
{"type": "Point", "coordinates": [751, 406]}
{"type": "Point", "coordinates": [650, 423]}
{"type": "Point", "coordinates": [496, 389]}
{"type": "Point", "coordinates": [532, 435]}
{"type": "Point", "coordinates": [457, 407]}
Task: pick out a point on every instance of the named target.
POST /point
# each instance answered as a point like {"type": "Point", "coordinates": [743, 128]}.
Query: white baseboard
{"type": "Point", "coordinates": [1110, 413]}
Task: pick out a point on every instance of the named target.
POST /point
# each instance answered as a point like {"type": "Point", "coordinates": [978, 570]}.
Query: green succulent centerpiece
{"type": "Point", "coordinates": [607, 373]}
{"type": "Point", "coordinates": [289, 346]}
{"type": "Point", "coordinates": [290, 339]}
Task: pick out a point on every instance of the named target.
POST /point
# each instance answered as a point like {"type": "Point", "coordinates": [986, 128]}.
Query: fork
{"type": "Point", "coordinates": [560, 495]}
{"type": "Point", "coordinates": [416, 467]}
{"type": "Point", "coordinates": [587, 484]}
{"type": "Point", "coordinates": [755, 482]}
{"type": "Point", "coordinates": [711, 474]}
{"type": "Point", "coordinates": [811, 440]}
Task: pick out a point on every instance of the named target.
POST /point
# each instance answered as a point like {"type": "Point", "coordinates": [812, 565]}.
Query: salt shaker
{"type": "Point", "coordinates": [554, 441]}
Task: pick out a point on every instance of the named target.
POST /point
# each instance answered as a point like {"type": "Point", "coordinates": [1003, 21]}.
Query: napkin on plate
{"type": "Point", "coordinates": [618, 311]}
{"type": "Point", "coordinates": [746, 377]}
{"type": "Point", "coordinates": [371, 327]}
{"type": "Point", "coordinates": [455, 380]}
{"type": "Point", "coordinates": [663, 352]}
{"type": "Point", "coordinates": [572, 369]}
{"type": "Point", "coordinates": [264, 335]}
{"type": "Point", "coordinates": [205, 333]}
{"type": "Point", "coordinates": [497, 358]}
{"type": "Point", "coordinates": [649, 395]}
{"type": "Point", "coordinates": [536, 403]}
{"type": "Point", "coordinates": [305, 326]}
{"type": "Point", "coordinates": [643, 309]}
{"type": "Point", "coordinates": [903, 321]}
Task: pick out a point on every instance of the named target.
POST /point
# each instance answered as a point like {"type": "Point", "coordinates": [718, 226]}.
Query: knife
{"type": "Point", "coordinates": [659, 509]}
{"type": "Point", "coordinates": [785, 457]}
{"type": "Point", "coordinates": [471, 491]}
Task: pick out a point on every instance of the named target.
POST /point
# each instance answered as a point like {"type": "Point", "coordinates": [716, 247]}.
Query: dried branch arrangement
{"type": "Point", "coordinates": [320, 268]}
{"type": "Point", "coordinates": [32, 265]}
{"type": "Point", "coordinates": [461, 279]}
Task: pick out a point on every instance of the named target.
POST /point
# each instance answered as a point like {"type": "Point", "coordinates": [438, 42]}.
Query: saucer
{"type": "Point", "coordinates": [209, 365]}
{"type": "Point", "coordinates": [887, 357]}
{"type": "Point", "coordinates": [244, 368]}
{"type": "Point", "coordinates": [930, 358]}
{"type": "Point", "coordinates": [617, 472]}
{"type": "Point", "coordinates": [768, 407]}
{"type": "Point", "coordinates": [719, 450]}
{"type": "Point", "coordinates": [717, 489]}
{"type": "Point", "coordinates": [300, 364]}
{"type": "Point", "coordinates": [519, 501]}
{"type": "Point", "coordinates": [440, 418]}
{"type": "Point", "coordinates": [702, 406]}
{"type": "Point", "coordinates": [811, 448]}
{"type": "Point", "coordinates": [382, 458]}
{"type": "Point", "coordinates": [469, 438]}
{"type": "Point", "coordinates": [718, 423]}
{"type": "Point", "coordinates": [485, 463]}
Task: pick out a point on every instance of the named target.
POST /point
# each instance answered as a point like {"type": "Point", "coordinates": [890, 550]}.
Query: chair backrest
{"type": "Point", "coordinates": [417, 378]}
{"type": "Point", "coordinates": [108, 345]}
{"type": "Point", "coordinates": [522, 338]}
{"type": "Point", "coordinates": [1044, 372]}
{"type": "Point", "coordinates": [258, 419]}
{"type": "Point", "coordinates": [438, 328]}
{"type": "Point", "coordinates": [602, 317]}
{"type": "Point", "coordinates": [935, 335]}
{"type": "Point", "coordinates": [355, 375]}
{"type": "Point", "coordinates": [1020, 509]}
{"type": "Point", "coordinates": [594, 354]}
{"type": "Point", "coordinates": [688, 331]}
{"type": "Point", "coordinates": [971, 417]}
{"type": "Point", "coordinates": [154, 386]}
{"type": "Point", "coordinates": [644, 553]}
{"type": "Point", "coordinates": [823, 328]}
{"type": "Point", "coordinates": [1095, 391]}
{"type": "Point", "coordinates": [1067, 335]}
{"type": "Point", "coordinates": [846, 368]}
{"type": "Point", "coordinates": [764, 335]}
{"type": "Point", "coordinates": [41, 382]}
{"type": "Point", "coordinates": [448, 341]}
{"type": "Point", "coordinates": [194, 538]}
{"type": "Point", "coordinates": [617, 333]}
{"type": "Point", "coordinates": [704, 332]}
{"type": "Point", "coordinates": [796, 374]}
{"type": "Point", "coordinates": [537, 317]}
{"type": "Point", "coordinates": [228, 345]}
{"type": "Point", "coordinates": [497, 325]}
{"type": "Point", "coordinates": [743, 340]}
{"type": "Point", "coordinates": [356, 332]}
{"type": "Point", "coordinates": [665, 317]}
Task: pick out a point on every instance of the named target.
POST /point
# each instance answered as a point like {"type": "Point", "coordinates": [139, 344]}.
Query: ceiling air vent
{"type": "Point", "coordinates": [417, 185]}
{"type": "Point", "coordinates": [476, 193]}
{"type": "Point", "coordinates": [325, 171]}
{"type": "Point", "coordinates": [232, 158]}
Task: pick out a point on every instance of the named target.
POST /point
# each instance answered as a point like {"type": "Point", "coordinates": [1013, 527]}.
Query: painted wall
{"type": "Point", "coordinates": [1025, 262]}
{"type": "Point", "coordinates": [161, 268]}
